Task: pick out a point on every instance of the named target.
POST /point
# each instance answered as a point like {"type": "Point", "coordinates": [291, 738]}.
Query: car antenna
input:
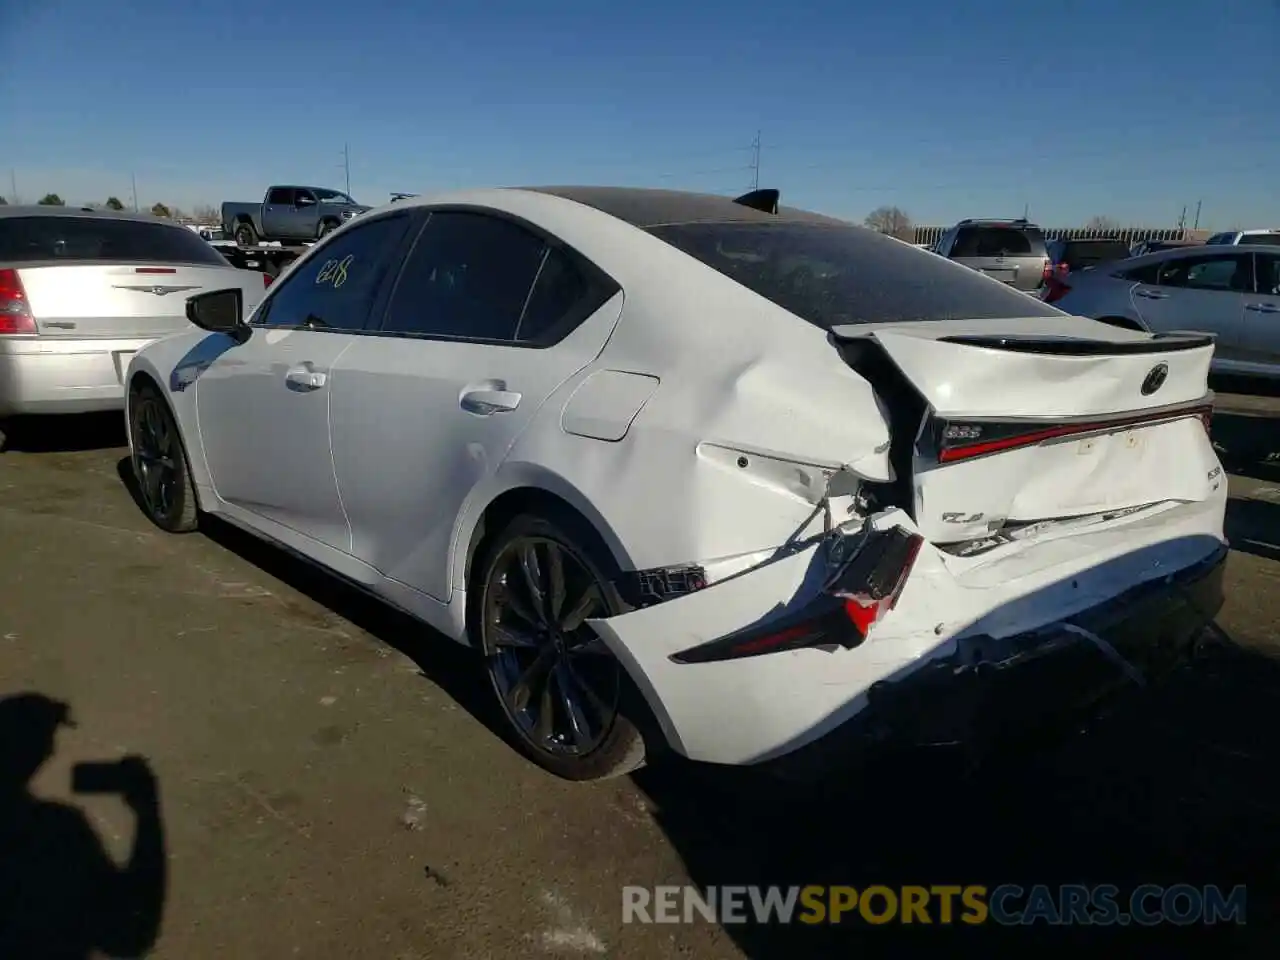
{"type": "Point", "coordinates": [766, 201]}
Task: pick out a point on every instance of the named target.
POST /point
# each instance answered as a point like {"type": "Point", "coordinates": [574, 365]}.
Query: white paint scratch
{"type": "Point", "coordinates": [328, 701]}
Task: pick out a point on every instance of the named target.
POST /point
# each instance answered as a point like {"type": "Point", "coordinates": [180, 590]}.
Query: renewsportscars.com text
{"type": "Point", "coordinates": [1008, 904]}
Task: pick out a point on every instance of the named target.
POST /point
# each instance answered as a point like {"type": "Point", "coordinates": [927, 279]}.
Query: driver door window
{"type": "Point", "coordinates": [335, 288]}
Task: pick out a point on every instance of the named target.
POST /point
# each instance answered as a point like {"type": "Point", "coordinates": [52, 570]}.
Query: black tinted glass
{"type": "Point", "coordinates": [335, 287]}
{"type": "Point", "coordinates": [832, 275]}
{"type": "Point", "coordinates": [468, 276]}
{"type": "Point", "coordinates": [997, 241]}
{"type": "Point", "coordinates": [562, 297]}
{"type": "Point", "coordinates": [1088, 253]}
{"type": "Point", "coordinates": [26, 239]}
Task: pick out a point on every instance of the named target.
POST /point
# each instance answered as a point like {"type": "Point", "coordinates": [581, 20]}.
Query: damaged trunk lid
{"type": "Point", "coordinates": [1001, 427]}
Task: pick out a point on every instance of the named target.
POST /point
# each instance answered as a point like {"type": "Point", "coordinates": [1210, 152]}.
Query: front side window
{"type": "Point", "coordinates": [335, 287]}
{"type": "Point", "coordinates": [280, 196]}
{"type": "Point", "coordinates": [831, 275]}
{"type": "Point", "coordinates": [1232, 272]}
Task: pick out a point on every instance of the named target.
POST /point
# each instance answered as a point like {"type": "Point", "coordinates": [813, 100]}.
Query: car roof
{"type": "Point", "coordinates": [83, 213]}
{"type": "Point", "coordinates": [1202, 250]}
{"type": "Point", "coordinates": [645, 207]}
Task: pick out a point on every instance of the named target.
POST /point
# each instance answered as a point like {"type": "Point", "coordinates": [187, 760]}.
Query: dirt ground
{"type": "Point", "coordinates": [329, 785]}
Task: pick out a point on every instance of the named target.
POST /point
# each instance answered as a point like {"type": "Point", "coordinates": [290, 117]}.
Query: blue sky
{"type": "Point", "coordinates": [1127, 108]}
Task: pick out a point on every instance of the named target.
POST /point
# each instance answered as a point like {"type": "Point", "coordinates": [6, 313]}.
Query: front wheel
{"type": "Point", "coordinates": [562, 693]}
{"type": "Point", "coordinates": [245, 235]}
{"type": "Point", "coordinates": [326, 227]}
{"type": "Point", "coordinates": [160, 463]}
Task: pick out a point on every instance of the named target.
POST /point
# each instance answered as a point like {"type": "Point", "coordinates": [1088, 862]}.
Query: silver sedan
{"type": "Point", "coordinates": [1231, 292]}
{"type": "Point", "coordinates": [81, 291]}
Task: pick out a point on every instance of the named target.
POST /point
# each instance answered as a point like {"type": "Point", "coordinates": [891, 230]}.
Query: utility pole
{"type": "Point", "coordinates": [133, 179]}
{"type": "Point", "coordinates": [13, 182]}
{"type": "Point", "coordinates": [346, 166]}
{"type": "Point", "coordinates": [1197, 226]}
{"type": "Point", "coordinates": [755, 162]}
{"type": "Point", "coordinates": [1026, 208]}
{"type": "Point", "coordinates": [1182, 220]}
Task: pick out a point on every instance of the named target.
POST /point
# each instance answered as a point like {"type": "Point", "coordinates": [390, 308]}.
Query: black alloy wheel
{"type": "Point", "coordinates": [559, 686]}
{"type": "Point", "coordinates": [159, 463]}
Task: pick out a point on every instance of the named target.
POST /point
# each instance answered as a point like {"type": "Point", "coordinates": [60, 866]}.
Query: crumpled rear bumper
{"type": "Point", "coordinates": [964, 650]}
{"type": "Point", "coordinates": [991, 690]}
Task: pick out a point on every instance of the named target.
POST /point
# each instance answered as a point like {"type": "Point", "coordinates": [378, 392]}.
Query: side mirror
{"type": "Point", "coordinates": [220, 311]}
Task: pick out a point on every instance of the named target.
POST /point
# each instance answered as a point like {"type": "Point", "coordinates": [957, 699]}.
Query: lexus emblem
{"type": "Point", "coordinates": [1155, 379]}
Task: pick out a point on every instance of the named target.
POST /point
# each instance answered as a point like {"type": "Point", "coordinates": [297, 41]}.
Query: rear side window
{"type": "Point", "coordinates": [998, 241]}
{"type": "Point", "coordinates": [472, 276]}
{"type": "Point", "coordinates": [1264, 239]}
{"type": "Point", "coordinates": [833, 275]}
{"type": "Point", "coordinates": [101, 239]}
{"type": "Point", "coordinates": [281, 195]}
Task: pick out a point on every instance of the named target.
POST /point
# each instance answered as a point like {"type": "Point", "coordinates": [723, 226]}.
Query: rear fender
{"type": "Point", "coordinates": [773, 697]}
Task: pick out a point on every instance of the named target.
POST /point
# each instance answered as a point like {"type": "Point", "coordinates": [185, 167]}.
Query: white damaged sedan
{"type": "Point", "coordinates": [700, 473]}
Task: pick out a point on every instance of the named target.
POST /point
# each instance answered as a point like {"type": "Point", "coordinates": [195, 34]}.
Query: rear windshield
{"type": "Point", "coordinates": [1272, 238]}
{"type": "Point", "coordinates": [1088, 253]}
{"type": "Point", "coordinates": [998, 241]}
{"type": "Point", "coordinates": [28, 239]}
{"type": "Point", "coordinates": [834, 275]}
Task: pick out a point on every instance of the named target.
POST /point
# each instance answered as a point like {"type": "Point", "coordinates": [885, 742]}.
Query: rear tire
{"type": "Point", "coordinates": [567, 703]}
{"type": "Point", "coordinates": [245, 235]}
{"type": "Point", "coordinates": [165, 491]}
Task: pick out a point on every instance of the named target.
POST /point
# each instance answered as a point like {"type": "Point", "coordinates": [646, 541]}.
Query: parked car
{"type": "Point", "coordinates": [1068, 256]}
{"type": "Point", "coordinates": [82, 290]}
{"type": "Point", "coordinates": [1232, 294]}
{"type": "Point", "coordinates": [717, 475]}
{"type": "Point", "coordinates": [1253, 237]}
{"type": "Point", "coordinates": [288, 214]}
{"type": "Point", "coordinates": [1011, 251]}
{"type": "Point", "coordinates": [1143, 247]}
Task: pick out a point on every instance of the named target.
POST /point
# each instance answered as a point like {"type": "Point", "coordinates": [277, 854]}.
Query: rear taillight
{"type": "Point", "coordinates": [1055, 290]}
{"type": "Point", "coordinates": [15, 309]}
{"type": "Point", "coordinates": [958, 440]}
{"type": "Point", "coordinates": [152, 270]}
{"type": "Point", "coordinates": [863, 588]}
{"type": "Point", "coordinates": [266, 280]}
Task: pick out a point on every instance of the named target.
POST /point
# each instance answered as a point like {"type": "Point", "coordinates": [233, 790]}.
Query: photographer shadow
{"type": "Point", "coordinates": [61, 894]}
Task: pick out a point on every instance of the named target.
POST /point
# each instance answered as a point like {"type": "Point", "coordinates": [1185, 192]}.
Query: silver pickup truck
{"type": "Point", "coordinates": [289, 214]}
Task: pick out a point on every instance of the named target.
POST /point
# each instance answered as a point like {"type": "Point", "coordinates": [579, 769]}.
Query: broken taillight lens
{"type": "Point", "coordinates": [865, 587]}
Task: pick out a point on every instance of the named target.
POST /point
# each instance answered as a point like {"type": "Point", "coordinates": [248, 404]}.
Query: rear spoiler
{"type": "Point", "coordinates": [1074, 347]}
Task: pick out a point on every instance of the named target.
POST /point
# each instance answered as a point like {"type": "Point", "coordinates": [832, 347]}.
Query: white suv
{"type": "Point", "coordinates": [1263, 237]}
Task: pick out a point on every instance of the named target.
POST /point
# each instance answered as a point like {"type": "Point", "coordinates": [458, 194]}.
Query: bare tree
{"type": "Point", "coordinates": [159, 210]}
{"type": "Point", "coordinates": [3, 202]}
{"type": "Point", "coordinates": [1101, 223]}
{"type": "Point", "coordinates": [891, 220]}
{"type": "Point", "coordinates": [206, 213]}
